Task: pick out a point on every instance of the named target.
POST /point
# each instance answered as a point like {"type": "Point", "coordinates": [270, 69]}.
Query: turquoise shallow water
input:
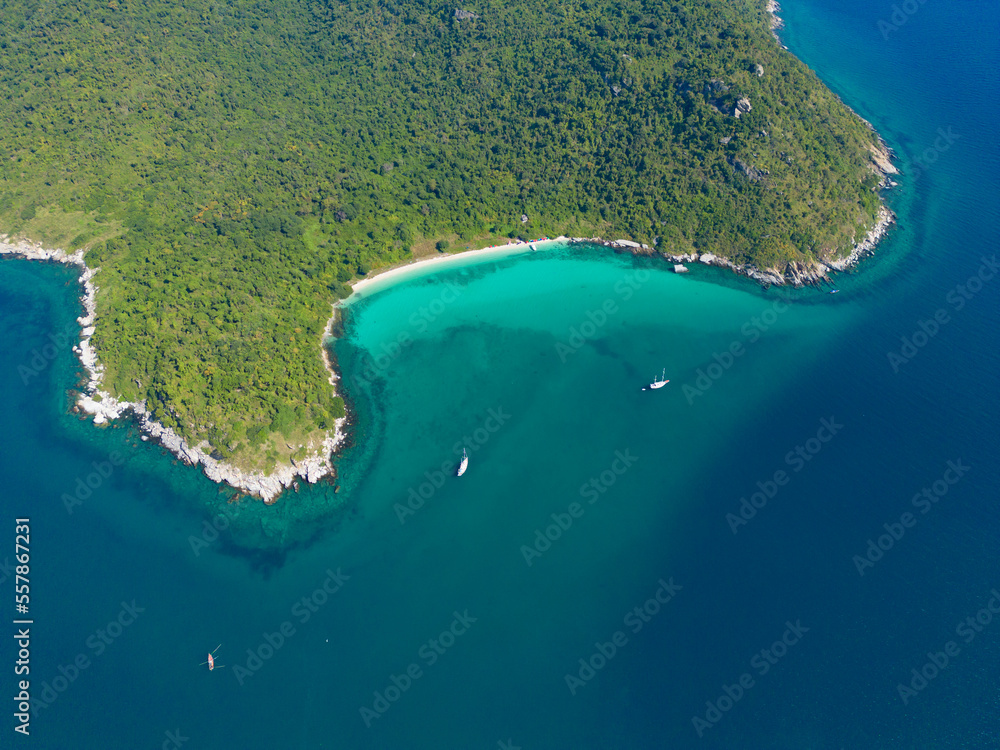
{"type": "Point", "coordinates": [537, 362]}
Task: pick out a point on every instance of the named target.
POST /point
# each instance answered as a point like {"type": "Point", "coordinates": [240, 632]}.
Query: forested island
{"type": "Point", "coordinates": [232, 167]}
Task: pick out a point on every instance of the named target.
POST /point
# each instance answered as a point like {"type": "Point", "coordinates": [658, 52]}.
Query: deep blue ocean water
{"type": "Point", "coordinates": [425, 611]}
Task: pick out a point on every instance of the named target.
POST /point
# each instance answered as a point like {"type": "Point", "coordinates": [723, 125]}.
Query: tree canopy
{"type": "Point", "coordinates": [230, 166]}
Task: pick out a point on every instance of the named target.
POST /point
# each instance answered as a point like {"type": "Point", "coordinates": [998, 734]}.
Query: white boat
{"type": "Point", "coordinates": [464, 465]}
{"type": "Point", "coordinates": [661, 382]}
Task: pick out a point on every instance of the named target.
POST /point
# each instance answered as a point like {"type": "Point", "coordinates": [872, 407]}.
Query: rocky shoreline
{"type": "Point", "coordinates": [775, 21]}
{"type": "Point", "coordinates": [105, 407]}
{"type": "Point", "coordinates": [796, 273]}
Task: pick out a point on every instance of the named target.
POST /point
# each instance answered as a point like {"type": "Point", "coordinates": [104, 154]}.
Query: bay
{"type": "Point", "coordinates": [536, 363]}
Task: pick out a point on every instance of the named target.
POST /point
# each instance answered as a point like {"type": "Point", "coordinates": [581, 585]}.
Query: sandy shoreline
{"type": "Point", "coordinates": [381, 279]}
{"type": "Point", "coordinates": [797, 274]}
{"type": "Point", "coordinates": [104, 407]}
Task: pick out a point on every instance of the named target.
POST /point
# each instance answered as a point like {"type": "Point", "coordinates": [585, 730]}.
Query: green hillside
{"type": "Point", "coordinates": [230, 166]}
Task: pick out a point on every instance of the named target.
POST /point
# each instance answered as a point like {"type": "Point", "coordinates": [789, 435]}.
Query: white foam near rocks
{"type": "Point", "coordinates": [105, 407]}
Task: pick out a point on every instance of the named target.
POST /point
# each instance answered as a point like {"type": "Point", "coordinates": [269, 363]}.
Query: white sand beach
{"type": "Point", "coordinates": [381, 279]}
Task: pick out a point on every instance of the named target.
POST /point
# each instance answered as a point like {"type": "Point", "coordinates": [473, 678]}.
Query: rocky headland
{"type": "Point", "coordinates": [797, 273]}
{"type": "Point", "coordinates": [105, 407]}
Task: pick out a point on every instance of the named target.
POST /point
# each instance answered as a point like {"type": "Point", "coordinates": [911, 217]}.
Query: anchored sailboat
{"type": "Point", "coordinates": [211, 659]}
{"type": "Point", "coordinates": [465, 463]}
{"type": "Point", "coordinates": [661, 382]}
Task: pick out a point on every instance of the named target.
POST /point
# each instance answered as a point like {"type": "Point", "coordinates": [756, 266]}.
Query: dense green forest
{"type": "Point", "coordinates": [231, 166]}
